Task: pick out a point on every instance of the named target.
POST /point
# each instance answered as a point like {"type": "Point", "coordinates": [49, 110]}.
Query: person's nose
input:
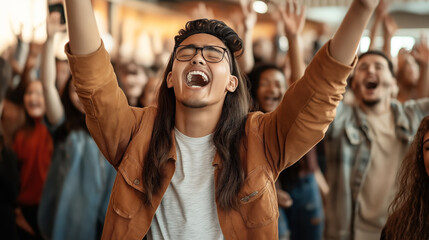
{"type": "Point", "coordinates": [272, 88]}
{"type": "Point", "coordinates": [33, 96]}
{"type": "Point", "coordinates": [371, 69]}
{"type": "Point", "coordinates": [198, 58]}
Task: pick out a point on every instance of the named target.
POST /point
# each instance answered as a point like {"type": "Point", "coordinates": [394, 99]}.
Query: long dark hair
{"type": "Point", "coordinates": [229, 130]}
{"type": "Point", "coordinates": [5, 78]}
{"type": "Point", "coordinates": [74, 119]}
{"type": "Point", "coordinates": [410, 208]}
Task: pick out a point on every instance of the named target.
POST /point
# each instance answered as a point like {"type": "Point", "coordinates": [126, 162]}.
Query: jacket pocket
{"type": "Point", "coordinates": [353, 135]}
{"type": "Point", "coordinates": [257, 199]}
{"type": "Point", "coordinates": [127, 192]}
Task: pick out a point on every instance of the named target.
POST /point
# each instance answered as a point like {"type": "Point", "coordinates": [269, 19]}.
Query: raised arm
{"type": "Point", "coordinates": [389, 29]}
{"type": "Point", "coordinates": [421, 54]}
{"type": "Point", "coordinates": [291, 130]}
{"type": "Point", "coordinates": [109, 118]}
{"type": "Point", "coordinates": [346, 39]}
{"type": "Point", "coordinates": [380, 12]}
{"type": "Point", "coordinates": [54, 107]}
{"type": "Point", "coordinates": [293, 17]}
{"type": "Point", "coordinates": [82, 27]}
{"type": "Point", "coordinates": [246, 61]}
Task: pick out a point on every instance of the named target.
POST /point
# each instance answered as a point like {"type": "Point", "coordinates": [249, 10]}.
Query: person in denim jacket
{"type": "Point", "coordinates": [364, 146]}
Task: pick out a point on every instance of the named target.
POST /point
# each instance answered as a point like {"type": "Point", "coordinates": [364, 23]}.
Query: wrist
{"type": "Point", "coordinates": [365, 7]}
{"type": "Point", "coordinates": [292, 37]}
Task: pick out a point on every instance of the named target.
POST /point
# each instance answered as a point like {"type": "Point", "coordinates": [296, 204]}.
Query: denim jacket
{"type": "Point", "coordinates": [77, 190]}
{"type": "Point", "coordinates": [347, 147]}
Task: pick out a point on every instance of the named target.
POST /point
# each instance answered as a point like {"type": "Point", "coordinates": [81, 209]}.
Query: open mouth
{"type": "Point", "coordinates": [34, 105]}
{"type": "Point", "coordinates": [371, 85]}
{"type": "Point", "coordinates": [271, 100]}
{"type": "Point", "coordinates": [197, 79]}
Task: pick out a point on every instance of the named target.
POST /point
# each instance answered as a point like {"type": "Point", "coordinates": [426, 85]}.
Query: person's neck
{"type": "Point", "coordinates": [197, 122]}
{"type": "Point", "coordinates": [377, 109]}
{"type": "Point", "coordinates": [132, 101]}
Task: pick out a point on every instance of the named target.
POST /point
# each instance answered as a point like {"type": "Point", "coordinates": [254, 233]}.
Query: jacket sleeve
{"type": "Point", "coordinates": [415, 111]}
{"type": "Point", "coordinates": [305, 112]}
{"type": "Point", "coordinates": [109, 118]}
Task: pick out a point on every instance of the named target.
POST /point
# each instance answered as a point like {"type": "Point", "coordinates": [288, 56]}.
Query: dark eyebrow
{"type": "Point", "coordinates": [188, 46]}
{"type": "Point", "coordinates": [213, 48]}
{"type": "Point", "coordinates": [203, 46]}
{"type": "Point", "coordinates": [425, 141]}
{"type": "Point", "coordinates": [379, 64]}
{"type": "Point", "coordinates": [364, 64]}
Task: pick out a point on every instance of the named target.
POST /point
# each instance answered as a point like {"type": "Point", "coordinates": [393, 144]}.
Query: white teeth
{"type": "Point", "coordinates": [202, 74]}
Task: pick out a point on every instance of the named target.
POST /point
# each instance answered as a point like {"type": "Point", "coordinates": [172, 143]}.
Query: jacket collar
{"type": "Point", "coordinates": [172, 154]}
{"type": "Point", "coordinates": [402, 127]}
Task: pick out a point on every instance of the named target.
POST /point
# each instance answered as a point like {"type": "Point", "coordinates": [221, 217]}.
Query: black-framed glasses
{"type": "Point", "coordinates": [212, 54]}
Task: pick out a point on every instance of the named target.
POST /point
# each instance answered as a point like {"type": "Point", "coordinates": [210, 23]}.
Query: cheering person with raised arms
{"type": "Point", "coordinates": [199, 165]}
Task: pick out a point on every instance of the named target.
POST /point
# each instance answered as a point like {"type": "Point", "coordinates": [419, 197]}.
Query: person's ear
{"type": "Point", "coordinates": [394, 88]}
{"type": "Point", "coordinates": [169, 80]}
{"type": "Point", "coordinates": [232, 83]}
{"type": "Point", "coordinates": [395, 91]}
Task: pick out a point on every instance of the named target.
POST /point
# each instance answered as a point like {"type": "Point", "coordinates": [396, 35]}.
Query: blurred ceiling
{"type": "Point", "coordinates": [415, 6]}
{"type": "Point", "coordinates": [407, 13]}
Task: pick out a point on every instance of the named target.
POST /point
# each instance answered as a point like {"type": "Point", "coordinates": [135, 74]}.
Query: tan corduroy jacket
{"type": "Point", "coordinates": [272, 142]}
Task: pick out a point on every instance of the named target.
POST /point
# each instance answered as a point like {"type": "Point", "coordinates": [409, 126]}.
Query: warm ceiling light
{"type": "Point", "coordinates": [260, 7]}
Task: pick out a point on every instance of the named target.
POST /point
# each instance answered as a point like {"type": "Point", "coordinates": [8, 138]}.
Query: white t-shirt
{"type": "Point", "coordinates": [188, 208]}
{"type": "Point", "coordinates": [380, 185]}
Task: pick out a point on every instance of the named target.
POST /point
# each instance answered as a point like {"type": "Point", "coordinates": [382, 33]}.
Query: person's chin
{"type": "Point", "coordinates": [371, 102]}
{"type": "Point", "coordinates": [36, 113]}
{"type": "Point", "coordinates": [267, 109]}
{"type": "Point", "coordinates": [195, 104]}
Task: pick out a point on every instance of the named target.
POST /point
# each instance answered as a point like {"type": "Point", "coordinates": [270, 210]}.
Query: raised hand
{"type": "Point", "coordinates": [53, 24]}
{"type": "Point", "coordinates": [421, 52]}
{"type": "Point", "coordinates": [382, 8]}
{"type": "Point", "coordinates": [293, 17]}
{"type": "Point", "coordinates": [389, 26]}
{"type": "Point", "coordinates": [202, 11]}
{"type": "Point", "coordinates": [249, 15]}
{"type": "Point", "coordinates": [245, 28]}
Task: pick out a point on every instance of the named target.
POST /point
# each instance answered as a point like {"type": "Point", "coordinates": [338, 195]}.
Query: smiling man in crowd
{"type": "Point", "coordinates": [365, 145]}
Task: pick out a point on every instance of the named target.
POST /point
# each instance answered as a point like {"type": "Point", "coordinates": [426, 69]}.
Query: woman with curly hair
{"type": "Point", "coordinates": [410, 211]}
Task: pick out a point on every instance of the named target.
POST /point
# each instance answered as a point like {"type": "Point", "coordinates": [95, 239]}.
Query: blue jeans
{"type": "Point", "coordinates": [306, 218]}
{"type": "Point", "coordinates": [284, 231]}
